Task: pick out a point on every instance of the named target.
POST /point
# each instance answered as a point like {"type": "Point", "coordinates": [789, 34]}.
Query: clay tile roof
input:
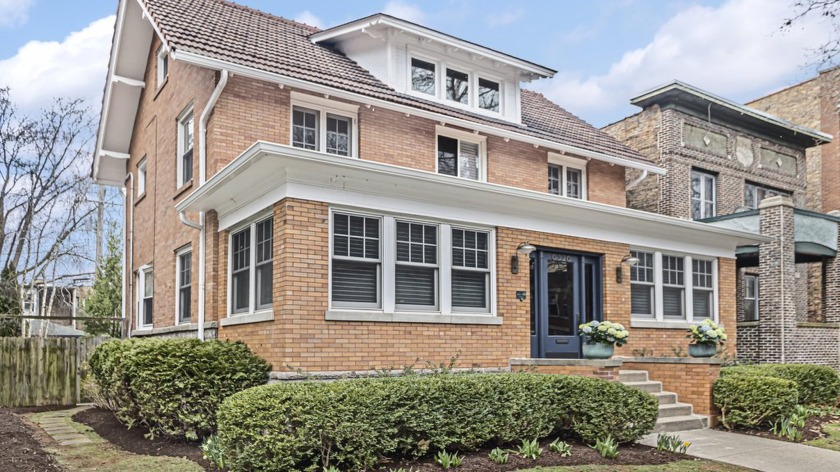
{"type": "Point", "coordinates": [226, 31]}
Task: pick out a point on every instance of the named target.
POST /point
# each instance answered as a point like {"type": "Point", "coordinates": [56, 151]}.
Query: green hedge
{"type": "Point", "coordinates": [173, 387]}
{"type": "Point", "coordinates": [816, 385]}
{"type": "Point", "coordinates": [750, 401]}
{"type": "Point", "coordinates": [353, 424]}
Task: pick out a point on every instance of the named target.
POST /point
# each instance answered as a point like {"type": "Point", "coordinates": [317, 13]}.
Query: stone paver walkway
{"type": "Point", "coordinates": [61, 428]}
{"type": "Point", "coordinates": [753, 452]}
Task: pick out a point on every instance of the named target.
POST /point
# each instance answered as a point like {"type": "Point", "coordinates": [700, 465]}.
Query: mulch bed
{"type": "Point", "coordinates": [20, 451]}
{"type": "Point", "coordinates": [631, 454]}
{"type": "Point", "coordinates": [106, 425]}
{"type": "Point", "coordinates": [812, 430]}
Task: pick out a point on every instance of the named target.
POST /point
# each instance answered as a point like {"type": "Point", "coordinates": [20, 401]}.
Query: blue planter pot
{"type": "Point", "coordinates": [702, 350]}
{"type": "Point", "coordinates": [598, 350]}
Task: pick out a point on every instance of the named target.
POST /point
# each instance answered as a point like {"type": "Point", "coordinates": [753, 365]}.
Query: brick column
{"type": "Point", "coordinates": [831, 285]}
{"type": "Point", "coordinates": [777, 308]}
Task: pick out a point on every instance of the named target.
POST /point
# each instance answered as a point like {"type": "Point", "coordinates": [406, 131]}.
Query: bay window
{"type": "Point", "coordinates": [251, 267]}
{"type": "Point", "coordinates": [356, 261]}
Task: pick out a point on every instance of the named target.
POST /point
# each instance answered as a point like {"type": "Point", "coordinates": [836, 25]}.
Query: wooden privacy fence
{"type": "Point", "coordinates": [42, 371]}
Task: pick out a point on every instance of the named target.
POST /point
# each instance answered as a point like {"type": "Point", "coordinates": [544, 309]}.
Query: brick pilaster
{"type": "Point", "coordinates": [831, 287]}
{"type": "Point", "coordinates": [777, 269]}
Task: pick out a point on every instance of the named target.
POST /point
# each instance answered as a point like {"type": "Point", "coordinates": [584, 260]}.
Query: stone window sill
{"type": "Point", "coordinates": [382, 317]}
{"type": "Point", "coordinates": [656, 324]}
{"type": "Point", "coordinates": [246, 318]}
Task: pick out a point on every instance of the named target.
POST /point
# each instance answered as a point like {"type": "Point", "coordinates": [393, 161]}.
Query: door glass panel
{"type": "Point", "coordinates": [533, 297]}
{"type": "Point", "coordinates": [588, 294]}
{"type": "Point", "coordinates": [561, 298]}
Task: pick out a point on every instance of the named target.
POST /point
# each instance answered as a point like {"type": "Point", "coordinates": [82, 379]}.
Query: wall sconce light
{"type": "Point", "coordinates": [523, 248]}
{"type": "Point", "coordinates": [630, 261]}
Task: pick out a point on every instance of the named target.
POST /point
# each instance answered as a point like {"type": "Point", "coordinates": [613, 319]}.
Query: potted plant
{"type": "Point", "coordinates": [705, 339]}
{"type": "Point", "coordinates": [601, 337]}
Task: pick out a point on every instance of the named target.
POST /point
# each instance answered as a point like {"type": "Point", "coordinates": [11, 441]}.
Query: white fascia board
{"type": "Point", "coordinates": [317, 176]}
{"type": "Point", "coordinates": [210, 63]}
{"type": "Point", "coordinates": [437, 36]}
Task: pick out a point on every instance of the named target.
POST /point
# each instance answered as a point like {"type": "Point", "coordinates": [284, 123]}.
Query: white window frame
{"type": "Point", "coordinates": [388, 310]}
{"type": "Point", "coordinates": [754, 297]}
{"type": "Point", "coordinates": [186, 116]}
{"type": "Point", "coordinates": [471, 138]}
{"type": "Point", "coordinates": [651, 286]}
{"type": "Point", "coordinates": [141, 296]}
{"type": "Point", "coordinates": [659, 320]}
{"type": "Point", "coordinates": [435, 266]}
{"type": "Point", "coordinates": [440, 83]}
{"type": "Point", "coordinates": [141, 177]}
{"type": "Point", "coordinates": [178, 254]}
{"type": "Point", "coordinates": [162, 57]}
{"type": "Point", "coordinates": [251, 224]}
{"type": "Point", "coordinates": [324, 107]}
{"type": "Point", "coordinates": [565, 163]}
{"type": "Point", "coordinates": [703, 197]}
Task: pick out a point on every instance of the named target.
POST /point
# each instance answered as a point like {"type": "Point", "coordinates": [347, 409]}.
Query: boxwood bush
{"type": "Point", "coordinates": [353, 424]}
{"type": "Point", "coordinates": [815, 384]}
{"type": "Point", "coordinates": [173, 387]}
{"type": "Point", "coordinates": [751, 401]}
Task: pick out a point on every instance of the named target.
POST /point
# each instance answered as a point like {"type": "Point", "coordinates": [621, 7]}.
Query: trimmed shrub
{"type": "Point", "coordinates": [353, 424]}
{"type": "Point", "coordinates": [750, 401]}
{"type": "Point", "coordinates": [815, 384]}
{"type": "Point", "coordinates": [173, 387]}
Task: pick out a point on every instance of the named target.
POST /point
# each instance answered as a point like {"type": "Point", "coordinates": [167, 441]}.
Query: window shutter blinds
{"type": "Point", "coordinates": [641, 300]}
{"type": "Point", "coordinates": [415, 285]}
{"type": "Point", "coordinates": [468, 161]}
{"type": "Point", "coordinates": [672, 302]}
{"type": "Point", "coordinates": [354, 282]}
{"type": "Point", "coordinates": [469, 289]}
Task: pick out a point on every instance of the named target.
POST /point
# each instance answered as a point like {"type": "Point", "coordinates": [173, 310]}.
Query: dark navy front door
{"type": "Point", "coordinates": [565, 292]}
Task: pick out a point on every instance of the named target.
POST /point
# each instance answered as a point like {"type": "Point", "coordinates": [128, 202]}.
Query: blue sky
{"type": "Point", "coordinates": [606, 51]}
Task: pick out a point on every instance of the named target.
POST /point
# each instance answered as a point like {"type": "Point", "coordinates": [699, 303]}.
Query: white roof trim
{"type": "Point", "coordinates": [216, 64]}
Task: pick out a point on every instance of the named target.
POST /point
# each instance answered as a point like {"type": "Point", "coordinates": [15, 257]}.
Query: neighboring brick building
{"type": "Point", "coordinates": [360, 197]}
{"type": "Point", "coordinates": [724, 161]}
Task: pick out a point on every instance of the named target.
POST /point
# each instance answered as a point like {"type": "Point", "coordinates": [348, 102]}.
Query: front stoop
{"type": "Point", "coordinates": [673, 415]}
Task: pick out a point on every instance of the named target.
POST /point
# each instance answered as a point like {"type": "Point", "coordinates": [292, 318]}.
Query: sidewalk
{"type": "Point", "coordinates": [753, 452]}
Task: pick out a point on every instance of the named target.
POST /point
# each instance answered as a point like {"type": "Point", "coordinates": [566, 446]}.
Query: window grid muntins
{"type": "Point", "coordinates": [416, 273]}
{"type": "Point", "coordinates": [356, 237]}
{"type": "Point", "coordinates": [416, 243]}
{"type": "Point", "coordinates": [642, 284]}
{"type": "Point", "coordinates": [470, 249]}
{"type": "Point", "coordinates": [672, 270]}
{"type": "Point", "coordinates": [702, 282]}
{"type": "Point", "coordinates": [305, 128]}
{"type": "Point", "coordinates": [673, 286]}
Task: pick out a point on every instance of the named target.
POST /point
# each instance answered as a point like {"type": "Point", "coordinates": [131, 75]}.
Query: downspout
{"type": "Point", "coordinates": [128, 279]}
{"type": "Point", "coordinates": [635, 182]}
{"type": "Point", "coordinates": [202, 176]}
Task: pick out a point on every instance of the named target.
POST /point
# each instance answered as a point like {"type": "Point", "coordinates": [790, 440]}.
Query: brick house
{"type": "Point", "coordinates": [734, 166]}
{"type": "Point", "coordinates": [363, 196]}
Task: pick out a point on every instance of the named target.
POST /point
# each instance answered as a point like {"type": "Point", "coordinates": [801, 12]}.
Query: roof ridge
{"type": "Point", "coordinates": [266, 14]}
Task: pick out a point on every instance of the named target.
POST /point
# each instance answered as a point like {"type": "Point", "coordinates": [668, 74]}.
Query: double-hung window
{"type": "Point", "coordinates": [754, 194]}
{"type": "Point", "coordinates": [703, 288]}
{"type": "Point", "coordinates": [460, 156]}
{"type": "Point", "coordinates": [185, 147]}
{"type": "Point", "coordinates": [183, 278]}
{"type": "Point", "coordinates": [323, 125]}
{"type": "Point", "coordinates": [356, 261]}
{"type": "Point", "coordinates": [703, 195]}
{"type": "Point", "coordinates": [566, 176]}
{"type": "Point", "coordinates": [673, 286]}
{"type": "Point", "coordinates": [470, 270]}
{"type": "Point", "coordinates": [751, 297]}
{"type": "Point", "coordinates": [145, 292]}
{"type": "Point", "coordinates": [642, 285]}
{"type": "Point", "coordinates": [162, 66]}
{"type": "Point", "coordinates": [141, 177]}
{"type": "Point", "coordinates": [416, 271]}
{"type": "Point", "coordinates": [251, 267]}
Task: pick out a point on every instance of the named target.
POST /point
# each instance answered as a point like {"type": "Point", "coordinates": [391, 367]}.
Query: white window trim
{"type": "Point", "coordinates": [753, 297]}
{"type": "Point", "coordinates": [326, 106]}
{"type": "Point", "coordinates": [159, 57]}
{"type": "Point", "coordinates": [141, 289]}
{"type": "Point", "coordinates": [440, 83]}
{"type": "Point", "coordinates": [178, 253]}
{"type": "Point", "coordinates": [184, 116]}
{"type": "Point", "coordinates": [435, 266]}
{"type": "Point", "coordinates": [473, 138]}
{"type": "Point", "coordinates": [652, 285]}
{"type": "Point", "coordinates": [141, 177]}
{"type": "Point", "coordinates": [703, 197]}
{"type": "Point", "coordinates": [659, 320]}
{"type": "Point", "coordinates": [387, 284]}
{"type": "Point", "coordinates": [570, 162]}
{"type": "Point", "coordinates": [252, 314]}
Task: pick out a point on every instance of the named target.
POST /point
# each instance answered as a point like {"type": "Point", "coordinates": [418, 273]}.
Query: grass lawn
{"type": "Point", "coordinates": [831, 441]}
{"type": "Point", "coordinates": [682, 466]}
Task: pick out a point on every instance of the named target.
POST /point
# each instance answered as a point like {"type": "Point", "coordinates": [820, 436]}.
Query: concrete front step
{"type": "Point", "coordinates": [649, 386]}
{"type": "Point", "coordinates": [633, 376]}
{"type": "Point", "coordinates": [680, 423]}
{"type": "Point", "coordinates": [675, 409]}
{"type": "Point", "coordinates": [666, 398]}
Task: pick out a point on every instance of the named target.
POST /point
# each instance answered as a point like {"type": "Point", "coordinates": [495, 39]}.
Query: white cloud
{"type": "Point", "coordinates": [309, 18]}
{"type": "Point", "coordinates": [73, 68]}
{"type": "Point", "coordinates": [732, 50]}
{"type": "Point", "coordinates": [405, 11]}
{"type": "Point", "coordinates": [14, 12]}
{"type": "Point", "coordinates": [505, 18]}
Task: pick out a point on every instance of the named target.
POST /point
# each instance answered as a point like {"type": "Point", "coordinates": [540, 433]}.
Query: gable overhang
{"type": "Point", "coordinates": [376, 26]}
{"type": "Point", "coordinates": [705, 105]}
{"type": "Point", "coordinates": [267, 173]}
{"type": "Point", "coordinates": [121, 98]}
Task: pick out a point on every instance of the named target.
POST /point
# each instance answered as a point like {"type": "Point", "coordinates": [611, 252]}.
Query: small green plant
{"type": "Point", "coordinates": [213, 452]}
{"type": "Point", "coordinates": [530, 449]}
{"type": "Point", "coordinates": [607, 447]}
{"type": "Point", "coordinates": [560, 447]}
{"type": "Point", "coordinates": [786, 428]}
{"type": "Point", "coordinates": [447, 460]}
{"type": "Point", "coordinates": [671, 443]}
{"type": "Point", "coordinates": [499, 456]}
{"type": "Point", "coordinates": [402, 469]}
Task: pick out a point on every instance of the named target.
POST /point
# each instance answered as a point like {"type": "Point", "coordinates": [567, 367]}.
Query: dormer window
{"type": "Point", "coordinates": [458, 86]}
{"type": "Point", "coordinates": [455, 85]}
{"type": "Point", "coordinates": [423, 76]}
{"type": "Point", "coordinates": [488, 95]}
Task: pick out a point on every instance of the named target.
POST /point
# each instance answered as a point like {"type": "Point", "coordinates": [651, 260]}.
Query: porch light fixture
{"type": "Point", "coordinates": [524, 248]}
{"type": "Point", "coordinates": [630, 261]}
